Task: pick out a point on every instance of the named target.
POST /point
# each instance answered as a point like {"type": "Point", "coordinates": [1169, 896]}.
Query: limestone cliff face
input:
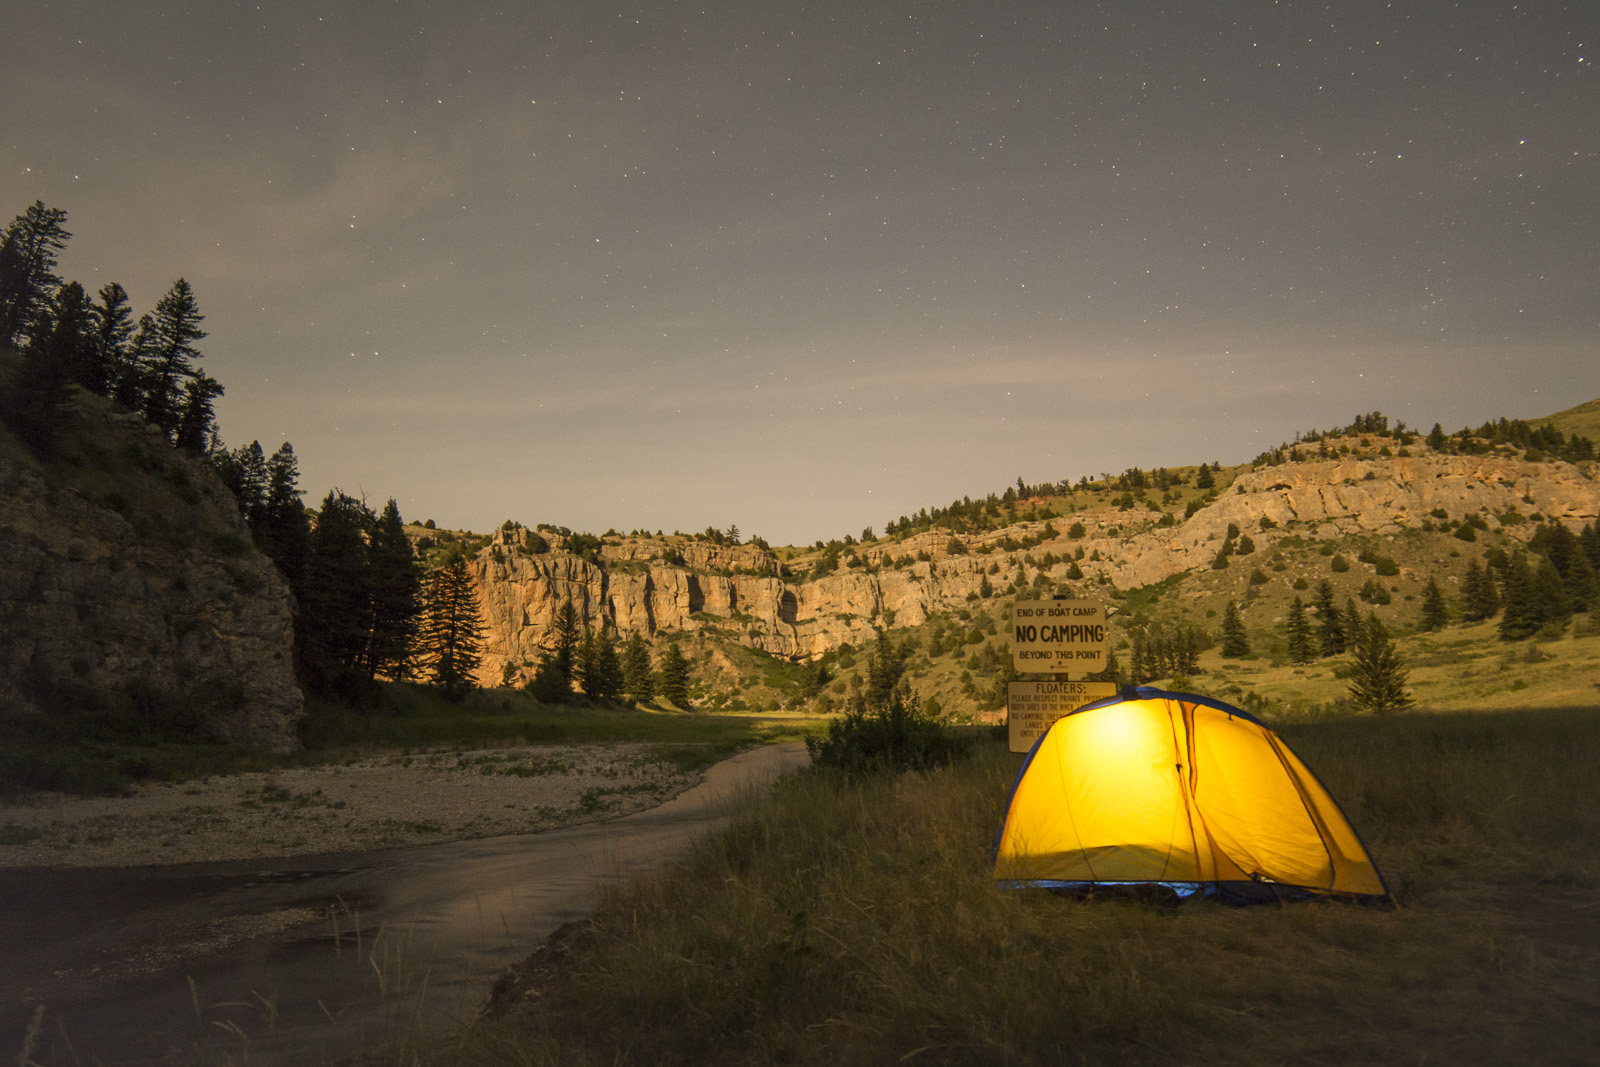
{"type": "Point", "coordinates": [1336, 497]}
{"type": "Point", "coordinates": [737, 586]}
{"type": "Point", "coordinates": [190, 625]}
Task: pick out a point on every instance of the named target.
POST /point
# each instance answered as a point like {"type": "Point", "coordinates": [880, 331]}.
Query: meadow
{"type": "Point", "coordinates": [105, 748]}
{"type": "Point", "coordinates": [852, 920]}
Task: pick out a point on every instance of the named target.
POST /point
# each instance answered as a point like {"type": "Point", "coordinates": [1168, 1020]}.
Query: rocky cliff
{"type": "Point", "coordinates": [128, 579]}
{"type": "Point", "coordinates": [647, 585]}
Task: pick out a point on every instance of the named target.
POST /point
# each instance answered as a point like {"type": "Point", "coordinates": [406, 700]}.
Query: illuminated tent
{"type": "Point", "coordinates": [1152, 788]}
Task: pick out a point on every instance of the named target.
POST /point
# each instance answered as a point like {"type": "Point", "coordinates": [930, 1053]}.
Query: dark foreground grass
{"type": "Point", "coordinates": [854, 922]}
{"type": "Point", "coordinates": [107, 749]}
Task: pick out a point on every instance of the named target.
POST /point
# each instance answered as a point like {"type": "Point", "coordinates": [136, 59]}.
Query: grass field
{"type": "Point", "coordinates": [88, 756]}
{"type": "Point", "coordinates": [854, 922]}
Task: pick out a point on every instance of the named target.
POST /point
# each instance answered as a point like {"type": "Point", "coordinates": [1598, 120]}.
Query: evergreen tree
{"type": "Point", "coordinates": [674, 677]}
{"type": "Point", "coordinates": [1553, 605]}
{"type": "Point", "coordinates": [177, 328]}
{"type": "Point", "coordinates": [885, 668]}
{"type": "Point", "coordinates": [568, 634]}
{"type": "Point", "coordinates": [1478, 590]}
{"type": "Point", "coordinates": [599, 667]}
{"type": "Point", "coordinates": [1139, 666]}
{"type": "Point", "coordinates": [28, 256]}
{"type": "Point", "coordinates": [638, 676]}
{"type": "Point", "coordinates": [1331, 637]}
{"type": "Point", "coordinates": [1302, 649]}
{"type": "Point", "coordinates": [1204, 479]}
{"type": "Point", "coordinates": [113, 328]}
{"type": "Point", "coordinates": [335, 619]}
{"type": "Point", "coordinates": [395, 584]}
{"type": "Point", "coordinates": [558, 666]}
{"type": "Point", "coordinates": [449, 647]}
{"type": "Point", "coordinates": [283, 531]}
{"type": "Point", "coordinates": [37, 405]}
{"type": "Point", "coordinates": [1435, 615]}
{"type": "Point", "coordinates": [1379, 680]}
{"type": "Point", "coordinates": [1235, 641]}
{"type": "Point", "coordinates": [586, 665]}
{"type": "Point", "coordinates": [244, 472]}
{"type": "Point", "coordinates": [196, 415]}
{"type": "Point", "coordinates": [1521, 612]}
{"type": "Point", "coordinates": [129, 387]}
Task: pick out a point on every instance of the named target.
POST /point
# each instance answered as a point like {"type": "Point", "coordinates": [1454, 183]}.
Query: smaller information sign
{"type": "Point", "coordinates": [1032, 706]}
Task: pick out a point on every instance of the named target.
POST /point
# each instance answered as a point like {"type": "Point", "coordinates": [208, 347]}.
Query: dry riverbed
{"type": "Point", "coordinates": [379, 802]}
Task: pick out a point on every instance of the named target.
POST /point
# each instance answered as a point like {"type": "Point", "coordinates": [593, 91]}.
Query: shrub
{"type": "Point", "coordinates": [896, 737]}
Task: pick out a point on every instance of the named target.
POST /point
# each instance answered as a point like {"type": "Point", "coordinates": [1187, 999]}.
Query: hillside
{"type": "Point", "coordinates": [1377, 515]}
{"type": "Point", "coordinates": [132, 601]}
{"type": "Point", "coordinates": [1583, 419]}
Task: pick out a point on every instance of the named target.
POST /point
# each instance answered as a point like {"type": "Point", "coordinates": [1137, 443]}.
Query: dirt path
{"type": "Point", "coordinates": [381, 802]}
{"type": "Point", "coordinates": [302, 959]}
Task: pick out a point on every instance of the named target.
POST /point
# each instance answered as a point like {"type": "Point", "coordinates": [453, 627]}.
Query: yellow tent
{"type": "Point", "coordinates": [1169, 789]}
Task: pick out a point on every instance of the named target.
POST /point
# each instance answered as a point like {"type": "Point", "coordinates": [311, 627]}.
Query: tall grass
{"type": "Point", "coordinates": [854, 921]}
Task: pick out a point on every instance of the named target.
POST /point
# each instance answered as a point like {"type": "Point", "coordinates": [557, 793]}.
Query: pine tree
{"type": "Point", "coordinates": [37, 406]}
{"type": "Point", "coordinates": [1521, 611]}
{"type": "Point", "coordinates": [1379, 680]}
{"type": "Point", "coordinates": [1478, 590]}
{"type": "Point", "coordinates": [395, 584]}
{"type": "Point", "coordinates": [335, 600]}
{"type": "Point", "coordinates": [1553, 605]}
{"type": "Point", "coordinates": [600, 668]}
{"type": "Point", "coordinates": [129, 387]}
{"type": "Point", "coordinates": [568, 635]}
{"type": "Point", "coordinates": [196, 414]}
{"type": "Point", "coordinates": [638, 676]}
{"type": "Point", "coordinates": [113, 328]}
{"type": "Point", "coordinates": [1235, 641]}
{"type": "Point", "coordinates": [177, 328]}
{"type": "Point", "coordinates": [674, 677]}
{"type": "Point", "coordinates": [1331, 637]}
{"type": "Point", "coordinates": [1139, 668]}
{"type": "Point", "coordinates": [28, 256]}
{"type": "Point", "coordinates": [449, 645]}
{"type": "Point", "coordinates": [1352, 622]}
{"type": "Point", "coordinates": [284, 529]}
{"type": "Point", "coordinates": [1298, 632]}
{"type": "Point", "coordinates": [244, 472]}
{"type": "Point", "coordinates": [1435, 615]}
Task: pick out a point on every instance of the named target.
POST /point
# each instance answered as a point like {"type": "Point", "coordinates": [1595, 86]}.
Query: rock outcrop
{"type": "Point", "coordinates": [138, 585]}
{"type": "Point", "coordinates": [646, 585]}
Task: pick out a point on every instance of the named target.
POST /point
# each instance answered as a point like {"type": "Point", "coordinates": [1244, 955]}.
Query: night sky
{"type": "Point", "coordinates": [807, 267]}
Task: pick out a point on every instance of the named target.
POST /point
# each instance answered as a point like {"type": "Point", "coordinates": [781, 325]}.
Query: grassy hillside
{"type": "Point", "coordinates": [1583, 419]}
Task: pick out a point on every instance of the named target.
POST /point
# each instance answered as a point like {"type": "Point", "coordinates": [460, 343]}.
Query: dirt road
{"type": "Point", "coordinates": [302, 960]}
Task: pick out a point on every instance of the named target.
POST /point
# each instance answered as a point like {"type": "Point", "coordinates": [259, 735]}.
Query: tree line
{"type": "Point", "coordinates": [69, 338]}
{"type": "Point", "coordinates": [364, 606]}
{"type": "Point", "coordinates": [588, 661]}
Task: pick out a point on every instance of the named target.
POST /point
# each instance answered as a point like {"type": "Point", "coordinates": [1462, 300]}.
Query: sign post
{"type": "Point", "coordinates": [1059, 637]}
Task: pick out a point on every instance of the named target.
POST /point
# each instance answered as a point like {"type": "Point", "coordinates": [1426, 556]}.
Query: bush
{"type": "Point", "coordinates": [897, 737]}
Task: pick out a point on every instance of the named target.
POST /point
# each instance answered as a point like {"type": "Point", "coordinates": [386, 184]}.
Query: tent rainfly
{"type": "Point", "coordinates": [1152, 788]}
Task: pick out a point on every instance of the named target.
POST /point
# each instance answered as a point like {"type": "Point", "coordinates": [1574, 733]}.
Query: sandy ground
{"type": "Point", "coordinates": [382, 802]}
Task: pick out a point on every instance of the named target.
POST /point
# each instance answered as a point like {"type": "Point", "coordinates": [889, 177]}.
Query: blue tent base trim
{"type": "Point", "coordinates": [1231, 893]}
